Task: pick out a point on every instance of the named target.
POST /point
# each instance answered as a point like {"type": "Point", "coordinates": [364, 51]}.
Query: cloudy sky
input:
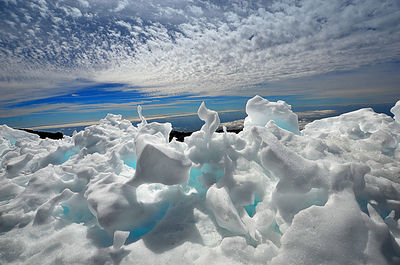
{"type": "Point", "coordinates": [76, 60]}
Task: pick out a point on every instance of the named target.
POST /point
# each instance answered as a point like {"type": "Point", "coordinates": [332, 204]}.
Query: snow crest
{"type": "Point", "coordinates": [119, 194]}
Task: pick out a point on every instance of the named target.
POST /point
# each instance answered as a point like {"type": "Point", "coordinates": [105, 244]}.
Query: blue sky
{"type": "Point", "coordinates": [75, 61]}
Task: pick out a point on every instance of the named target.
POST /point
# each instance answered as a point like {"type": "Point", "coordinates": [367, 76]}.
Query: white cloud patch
{"type": "Point", "coordinates": [195, 10]}
{"type": "Point", "coordinates": [84, 3]}
{"type": "Point", "coordinates": [75, 12]}
{"type": "Point", "coordinates": [124, 24]}
{"type": "Point", "coordinates": [178, 46]}
{"type": "Point", "coordinates": [121, 5]}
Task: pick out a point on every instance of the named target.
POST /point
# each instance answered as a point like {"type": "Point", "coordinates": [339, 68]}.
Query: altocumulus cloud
{"type": "Point", "coordinates": [176, 46]}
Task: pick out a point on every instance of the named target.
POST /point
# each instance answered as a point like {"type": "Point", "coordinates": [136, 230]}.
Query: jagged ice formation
{"type": "Point", "coordinates": [119, 194]}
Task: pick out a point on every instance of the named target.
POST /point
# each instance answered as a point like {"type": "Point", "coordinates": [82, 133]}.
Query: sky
{"type": "Point", "coordinates": [74, 61]}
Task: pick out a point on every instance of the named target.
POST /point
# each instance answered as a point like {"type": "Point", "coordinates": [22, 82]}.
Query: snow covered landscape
{"type": "Point", "coordinates": [272, 194]}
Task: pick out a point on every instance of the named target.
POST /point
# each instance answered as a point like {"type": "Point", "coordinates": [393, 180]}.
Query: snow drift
{"type": "Point", "coordinates": [119, 194]}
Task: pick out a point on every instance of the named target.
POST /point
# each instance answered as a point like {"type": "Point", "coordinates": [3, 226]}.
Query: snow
{"type": "Point", "coordinates": [260, 111]}
{"type": "Point", "coordinates": [396, 111]}
{"type": "Point", "coordinates": [119, 194]}
{"type": "Point", "coordinates": [221, 206]}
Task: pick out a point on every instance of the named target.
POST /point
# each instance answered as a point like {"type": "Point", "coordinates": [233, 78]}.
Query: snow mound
{"type": "Point", "coordinates": [119, 194]}
{"type": "Point", "coordinates": [260, 111]}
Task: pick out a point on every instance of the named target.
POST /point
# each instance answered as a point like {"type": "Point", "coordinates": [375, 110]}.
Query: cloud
{"type": "Point", "coordinates": [173, 47]}
{"type": "Point", "coordinates": [73, 12]}
{"type": "Point", "coordinates": [84, 3]}
{"type": "Point", "coordinates": [6, 112]}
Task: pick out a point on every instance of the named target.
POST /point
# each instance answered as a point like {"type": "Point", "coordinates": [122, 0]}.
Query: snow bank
{"type": "Point", "coordinates": [119, 194]}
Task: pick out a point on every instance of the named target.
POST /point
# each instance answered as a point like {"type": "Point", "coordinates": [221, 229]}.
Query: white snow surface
{"type": "Point", "coordinates": [119, 194]}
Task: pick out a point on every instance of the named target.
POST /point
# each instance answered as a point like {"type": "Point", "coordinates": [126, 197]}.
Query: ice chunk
{"type": "Point", "coordinates": [380, 238]}
{"type": "Point", "coordinates": [348, 175]}
{"type": "Point", "coordinates": [295, 172]}
{"type": "Point", "coordinates": [260, 111]}
{"type": "Point", "coordinates": [16, 164]}
{"type": "Point", "coordinates": [120, 238]}
{"type": "Point", "coordinates": [333, 234]}
{"type": "Point", "coordinates": [208, 231]}
{"type": "Point", "coordinates": [117, 206]}
{"type": "Point", "coordinates": [44, 211]}
{"type": "Point", "coordinates": [75, 209]}
{"type": "Point", "coordinates": [14, 135]}
{"type": "Point", "coordinates": [128, 153]}
{"type": "Point", "coordinates": [154, 128]}
{"type": "Point", "coordinates": [220, 204]}
{"type": "Point", "coordinates": [356, 125]}
{"type": "Point", "coordinates": [107, 134]}
{"type": "Point", "coordinates": [396, 111]}
{"type": "Point", "coordinates": [210, 118]}
{"type": "Point", "coordinates": [141, 117]}
{"type": "Point", "coordinates": [159, 163]}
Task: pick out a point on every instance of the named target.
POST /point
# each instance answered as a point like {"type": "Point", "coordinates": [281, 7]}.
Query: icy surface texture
{"type": "Point", "coordinates": [119, 194]}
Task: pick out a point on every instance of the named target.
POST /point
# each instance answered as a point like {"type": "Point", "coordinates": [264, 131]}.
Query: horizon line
{"type": "Point", "coordinates": [149, 117]}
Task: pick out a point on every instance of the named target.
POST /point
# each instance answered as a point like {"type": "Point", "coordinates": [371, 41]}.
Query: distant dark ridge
{"type": "Point", "coordinates": [230, 130]}
{"type": "Point", "coordinates": [180, 136]}
{"type": "Point", "coordinates": [43, 135]}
